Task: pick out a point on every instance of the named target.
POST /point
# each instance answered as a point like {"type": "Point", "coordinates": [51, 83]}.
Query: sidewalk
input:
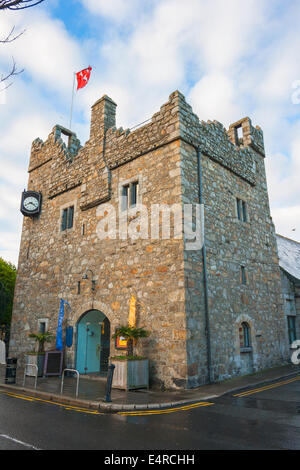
{"type": "Point", "coordinates": [92, 392]}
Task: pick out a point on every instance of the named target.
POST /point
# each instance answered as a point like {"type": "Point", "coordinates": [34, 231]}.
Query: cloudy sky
{"type": "Point", "coordinates": [230, 58]}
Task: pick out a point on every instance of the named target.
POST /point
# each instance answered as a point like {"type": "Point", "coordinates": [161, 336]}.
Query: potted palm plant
{"type": "Point", "coordinates": [131, 372]}
{"type": "Point", "coordinates": [38, 357]}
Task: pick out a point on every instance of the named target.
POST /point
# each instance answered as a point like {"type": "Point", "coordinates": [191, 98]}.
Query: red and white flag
{"type": "Point", "coordinates": [83, 77]}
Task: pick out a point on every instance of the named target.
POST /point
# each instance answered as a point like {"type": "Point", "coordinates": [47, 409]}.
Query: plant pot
{"type": "Point", "coordinates": [38, 360]}
{"type": "Point", "coordinates": [131, 374]}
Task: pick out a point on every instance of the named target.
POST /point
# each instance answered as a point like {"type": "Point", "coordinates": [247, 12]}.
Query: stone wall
{"type": "Point", "coordinates": [52, 262]}
{"type": "Point", "coordinates": [166, 278]}
{"type": "Point", "coordinates": [291, 298]}
{"type": "Point", "coordinates": [231, 244]}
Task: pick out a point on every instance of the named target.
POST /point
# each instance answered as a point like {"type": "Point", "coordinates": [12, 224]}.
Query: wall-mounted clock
{"type": "Point", "coordinates": [31, 203]}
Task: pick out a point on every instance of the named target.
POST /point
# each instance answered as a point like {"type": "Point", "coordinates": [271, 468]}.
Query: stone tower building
{"type": "Point", "coordinates": [215, 311]}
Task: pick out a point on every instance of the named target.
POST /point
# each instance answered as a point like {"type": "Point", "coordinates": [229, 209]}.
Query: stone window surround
{"type": "Point", "coordinates": [236, 218]}
{"type": "Point", "coordinates": [239, 135]}
{"type": "Point", "coordinates": [255, 334]}
{"type": "Point", "coordinates": [43, 320]}
{"type": "Point", "coordinates": [245, 336]}
{"type": "Point", "coordinates": [135, 179]}
{"type": "Point", "coordinates": [61, 209]}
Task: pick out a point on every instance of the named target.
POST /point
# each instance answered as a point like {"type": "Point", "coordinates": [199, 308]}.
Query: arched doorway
{"type": "Point", "coordinates": [93, 343]}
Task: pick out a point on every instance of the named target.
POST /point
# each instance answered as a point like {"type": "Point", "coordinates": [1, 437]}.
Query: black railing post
{"type": "Point", "coordinates": [110, 375]}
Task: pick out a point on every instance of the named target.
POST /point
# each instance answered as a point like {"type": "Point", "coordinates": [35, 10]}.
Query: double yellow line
{"type": "Point", "coordinates": [267, 387]}
{"type": "Point", "coordinates": [164, 411]}
{"type": "Point", "coordinates": [66, 407]}
{"type": "Point", "coordinates": [151, 412]}
{"type": "Point", "coordinates": [95, 412]}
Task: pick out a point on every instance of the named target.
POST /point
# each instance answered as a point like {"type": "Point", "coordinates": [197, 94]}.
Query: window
{"type": "Point", "coordinates": [125, 197]}
{"type": "Point", "coordinates": [42, 325]}
{"type": "Point", "coordinates": [243, 275]}
{"type": "Point", "coordinates": [130, 194]}
{"type": "Point", "coordinates": [246, 338]}
{"type": "Point", "coordinates": [239, 135]}
{"type": "Point", "coordinates": [67, 218]}
{"type": "Point", "coordinates": [134, 187]}
{"type": "Point", "coordinates": [65, 138]}
{"type": "Point", "coordinates": [241, 208]}
{"type": "Point", "coordinates": [292, 329]}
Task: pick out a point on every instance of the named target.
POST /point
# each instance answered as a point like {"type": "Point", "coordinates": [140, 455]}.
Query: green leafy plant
{"type": "Point", "coordinates": [41, 339]}
{"type": "Point", "coordinates": [132, 335]}
{"type": "Point", "coordinates": [8, 274]}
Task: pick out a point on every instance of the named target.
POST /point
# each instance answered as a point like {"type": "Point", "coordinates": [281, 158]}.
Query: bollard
{"type": "Point", "coordinates": [110, 375]}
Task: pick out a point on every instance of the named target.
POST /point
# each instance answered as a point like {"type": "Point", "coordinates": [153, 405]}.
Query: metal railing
{"type": "Point", "coordinates": [36, 375]}
{"type": "Point", "coordinates": [62, 380]}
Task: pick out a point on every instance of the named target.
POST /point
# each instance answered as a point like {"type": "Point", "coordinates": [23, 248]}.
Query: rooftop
{"type": "Point", "coordinates": [289, 256]}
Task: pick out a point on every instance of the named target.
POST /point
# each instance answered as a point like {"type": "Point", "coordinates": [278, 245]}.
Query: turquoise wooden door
{"type": "Point", "coordinates": [89, 342]}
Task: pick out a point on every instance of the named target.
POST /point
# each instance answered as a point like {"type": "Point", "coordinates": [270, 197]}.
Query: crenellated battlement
{"type": "Point", "coordinates": [109, 147]}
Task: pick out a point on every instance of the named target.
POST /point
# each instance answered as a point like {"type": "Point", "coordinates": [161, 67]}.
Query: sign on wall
{"type": "Point", "coordinates": [121, 342]}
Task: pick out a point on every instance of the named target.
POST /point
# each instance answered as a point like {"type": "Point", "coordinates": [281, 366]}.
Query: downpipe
{"type": "Point", "coordinates": [205, 281]}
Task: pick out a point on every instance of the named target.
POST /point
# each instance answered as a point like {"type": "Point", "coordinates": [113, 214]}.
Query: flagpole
{"type": "Point", "coordinates": [71, 114]}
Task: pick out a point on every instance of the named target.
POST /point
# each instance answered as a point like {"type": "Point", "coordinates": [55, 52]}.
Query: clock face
{"type": "Point", "coordinates": [31, 203]}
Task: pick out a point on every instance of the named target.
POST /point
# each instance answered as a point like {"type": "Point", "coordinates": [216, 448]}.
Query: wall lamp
{"type": "Point", "coordinates": [85, 277]}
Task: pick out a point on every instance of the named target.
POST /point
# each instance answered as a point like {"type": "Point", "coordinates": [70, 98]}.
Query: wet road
{"type": "Point", "coordinates": [264, 418]}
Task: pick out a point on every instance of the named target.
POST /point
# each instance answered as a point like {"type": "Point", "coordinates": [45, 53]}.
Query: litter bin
{"type": "Point", "coordinates": [11, 370]}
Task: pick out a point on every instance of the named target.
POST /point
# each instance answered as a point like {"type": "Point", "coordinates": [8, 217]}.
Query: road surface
{"type": "Point", "coordinates": [262, 418]}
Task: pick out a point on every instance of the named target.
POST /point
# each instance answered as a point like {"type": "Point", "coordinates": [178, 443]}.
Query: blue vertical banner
{"type": "Point", "coordinates": [59, 334]}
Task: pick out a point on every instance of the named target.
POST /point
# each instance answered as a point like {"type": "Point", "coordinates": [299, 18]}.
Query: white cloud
{"type": "Point", "coordinates": [45, 50]}
{"type": "Point", "coordinates": [9, 245]}
{"type": "Point", "coordinates": [213, 97]}
{"type": "Point", "coordinates": [116, 9]}
{"type": "Point", "coordinates": [231, 59]}
{"type": "Point", "coordinates": [287, 221]}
